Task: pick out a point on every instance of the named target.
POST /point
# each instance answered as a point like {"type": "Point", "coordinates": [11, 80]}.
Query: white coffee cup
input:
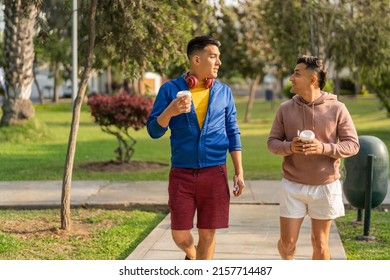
{"type": "Point", "coordinates": [183, 93]}
{"type": "Point", "coordinates": [306, 135]}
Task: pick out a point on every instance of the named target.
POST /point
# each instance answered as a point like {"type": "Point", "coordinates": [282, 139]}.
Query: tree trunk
{"type": "Point", "coordinates": [252, 94]}
{"type": "Point", "coordinates": [19, 59]}
{"type": "Point", "coordinates": [281, 92]}
{"type": "Point", "coordinates": [139, 86]}
{"type": "Point", "coordinates": [382, 87]}
{"type": "Point", "coordinates": [109, 80]}
{"type": "Point", "coordinates": [66, 186]}
{"type": "Point", "coordinates": [56, 72]}
{"type": "Point", "coordinates": [40, 93]}
{"type": "Point", "coordinates": [16, 111]}
{"type": "Point", "coordinates": [134, 83]}
{"type": "Point", "coordinates": [357, 83]}
{"type": "Point", "coordinates": [358, 87]}
{"type": "Point", "coordinates": [336, 83]}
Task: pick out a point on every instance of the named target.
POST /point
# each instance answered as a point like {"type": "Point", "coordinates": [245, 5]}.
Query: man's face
{"type": "Point", "coordinates": [209, 61]}
{"type": "Point", "coordinates": [301, 79]}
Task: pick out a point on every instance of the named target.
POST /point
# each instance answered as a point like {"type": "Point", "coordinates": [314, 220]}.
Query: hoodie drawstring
{"type": "Point", "coordinates": [304, 117]}
{"type": "Point", "coordinates": [313, 116]}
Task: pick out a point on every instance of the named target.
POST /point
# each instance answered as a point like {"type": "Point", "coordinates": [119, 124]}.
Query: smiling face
{"type": "Point", "coordinates": [205, 63]}
{"type": "Point", "coordinates": [302, 80]}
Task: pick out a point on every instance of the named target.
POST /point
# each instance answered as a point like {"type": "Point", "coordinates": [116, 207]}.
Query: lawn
{"type": "Point", "coordinates": [100, 234]}
{"type": "Point", "coordinates": [96, 234]}
{"type": "Point", "coordinates": [37, 152]}
{"type": "Point", "coordinates": [377, 249]}
{"type": "Point", "coordinates": [41, 156]}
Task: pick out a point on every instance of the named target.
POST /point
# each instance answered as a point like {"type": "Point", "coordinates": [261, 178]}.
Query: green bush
{"type": "Point", "coordinates": [365, 92]}
{"type": "Point", "coordinates": [347, 86]}
{"type": "Point", "coordinates": [346, 92]}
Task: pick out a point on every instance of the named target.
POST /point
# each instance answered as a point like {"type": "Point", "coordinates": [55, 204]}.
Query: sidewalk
{"type": "Point", "coordinates": [254, 216]}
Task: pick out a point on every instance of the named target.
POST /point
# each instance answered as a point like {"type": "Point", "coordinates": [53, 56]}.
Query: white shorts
{"type": "Point", "coordinates": [322, 202]}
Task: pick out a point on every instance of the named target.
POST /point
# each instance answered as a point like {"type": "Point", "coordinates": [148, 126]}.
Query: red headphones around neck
{"type": "Point", "coordinates": [192, 81]}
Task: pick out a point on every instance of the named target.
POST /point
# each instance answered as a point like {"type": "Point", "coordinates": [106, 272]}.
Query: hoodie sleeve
{"type": "Point", "coordinates": [348, 144]}
{"type": "Point", "coordinates": [277, 143]}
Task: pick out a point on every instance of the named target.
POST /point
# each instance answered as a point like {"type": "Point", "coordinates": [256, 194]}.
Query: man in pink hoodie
{"type": "Point", "coordinates": [311, 170]}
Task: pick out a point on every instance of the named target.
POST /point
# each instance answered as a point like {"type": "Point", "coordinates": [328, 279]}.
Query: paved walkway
{"type": "Point", "coordinates": [254, 216]}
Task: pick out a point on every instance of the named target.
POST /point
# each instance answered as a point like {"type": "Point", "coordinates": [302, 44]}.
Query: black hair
{"type": "Point", "coordinates": [316, 65]}
{"type": "Point", "coordinates": [199, 43]}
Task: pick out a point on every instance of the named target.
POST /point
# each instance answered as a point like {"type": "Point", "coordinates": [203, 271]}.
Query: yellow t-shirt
{"type": "Point", "coordinates": [200, 98]}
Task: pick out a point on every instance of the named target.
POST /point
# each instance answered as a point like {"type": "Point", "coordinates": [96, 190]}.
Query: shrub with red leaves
{"type": "Point", "coordinates": [120, 110]}
{"type": "Point", "coordinates": [117, 114]}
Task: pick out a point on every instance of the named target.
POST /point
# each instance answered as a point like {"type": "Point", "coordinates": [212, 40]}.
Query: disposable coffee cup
{"type": "Point", "coordinates": [306, 135]}
{"type": "Point", "coordinates": [183, 93]}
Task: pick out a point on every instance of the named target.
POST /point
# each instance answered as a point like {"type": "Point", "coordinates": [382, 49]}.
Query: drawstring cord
{"type": "Point", "coordinates": [313, 123]}
{"type": "Point", "coordinates": [304, 117]}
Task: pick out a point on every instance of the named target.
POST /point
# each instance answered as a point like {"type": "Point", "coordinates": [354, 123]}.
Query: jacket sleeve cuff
{"type": "Point", "coordinates": [235, 143]}
{"type": "Point", "coordinates": [155, 130]}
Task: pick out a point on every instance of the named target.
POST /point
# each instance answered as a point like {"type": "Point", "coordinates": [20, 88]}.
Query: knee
{"type": "Point", "coordinates": [286, 249]}
{"type": "Point", "coordinates": [182, 239]}
{"type": "Point", "coordinates": [286, 246]}
{"type": "Point", "coordinates": [206, 236]}
{"type": "Point", "coordinates": [319, 244]}
{"type": "Point", "coordinates": [182, 242]}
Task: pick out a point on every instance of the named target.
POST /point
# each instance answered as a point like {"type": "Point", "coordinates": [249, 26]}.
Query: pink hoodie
{"type": "Point", "coordinates": [332, 125]}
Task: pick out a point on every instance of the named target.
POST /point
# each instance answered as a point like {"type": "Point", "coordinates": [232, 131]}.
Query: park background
{"type": "Point", "coordinates": [120, 41]}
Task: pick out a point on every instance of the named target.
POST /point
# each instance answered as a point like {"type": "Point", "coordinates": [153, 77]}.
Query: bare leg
{"type": "Point", "coordinates": [289, 233]}
{"type": "Point", "coordinates": [320, 230]}
{"type": "Point", "coordinates": [206, 245]}
{"type": "Point", "coordinates": [185, 241]}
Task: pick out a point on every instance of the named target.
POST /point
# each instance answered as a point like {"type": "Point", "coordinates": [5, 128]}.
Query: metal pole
{"type": "Point", "coordinates": [359, 218]}
{"type": "Point", "coordinates": [368, 202]}
{"type": "Point", "coordinates": [359, 215]}
{"type": "Point", "coordinates": [368, 197]}
{"type": "Point", "coordinates": [74, 52]}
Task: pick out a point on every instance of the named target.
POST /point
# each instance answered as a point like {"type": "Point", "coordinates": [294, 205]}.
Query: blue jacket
{"type": "Point", "coordinates": [190, 146]}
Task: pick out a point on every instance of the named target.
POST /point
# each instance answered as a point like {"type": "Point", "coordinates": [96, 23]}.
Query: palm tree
{"type": "Point", "coordinates": [19, 30]}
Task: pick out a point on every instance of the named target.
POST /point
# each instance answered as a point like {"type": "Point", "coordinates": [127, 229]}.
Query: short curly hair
{"type": "Point", "coordinates": [316, 65]}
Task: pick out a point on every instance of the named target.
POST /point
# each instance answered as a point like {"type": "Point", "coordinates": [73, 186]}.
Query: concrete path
{"type": "Point", "coordinates": [254, 216]}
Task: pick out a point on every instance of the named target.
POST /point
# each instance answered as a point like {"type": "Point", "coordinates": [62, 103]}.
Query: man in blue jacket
{"type": "Point", "coordinates": [203, 128]}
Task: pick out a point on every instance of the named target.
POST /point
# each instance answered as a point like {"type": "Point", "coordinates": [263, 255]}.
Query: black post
{"type": "Point", "coordinates": [359, 215]}
{"type": "Point", "coordinates": [359, 218]}
{"type": "Point", "coordinates": [368, 197]}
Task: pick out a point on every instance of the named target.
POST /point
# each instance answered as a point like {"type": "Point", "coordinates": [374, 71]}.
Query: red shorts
{"type": "Point", "coordinates": [205, 191]}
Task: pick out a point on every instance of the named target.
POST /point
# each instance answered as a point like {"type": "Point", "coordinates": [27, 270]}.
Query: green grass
{"type": "Point", "coordinates": [96, 235]}
{"type": "Point", "coordinates": [378, 249]}
{"type": "Point", "coordinates": [37, 151]}
{"type": "Point", "coordinates": [99, 234]}
{"type": "Point", "coordinates": [42, 156]}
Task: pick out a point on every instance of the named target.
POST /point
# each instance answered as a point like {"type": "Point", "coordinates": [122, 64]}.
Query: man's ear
{"type": "Point", "coordinates": [313, 79]}
{"type": "Point", "coordinates": [196, 59]}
